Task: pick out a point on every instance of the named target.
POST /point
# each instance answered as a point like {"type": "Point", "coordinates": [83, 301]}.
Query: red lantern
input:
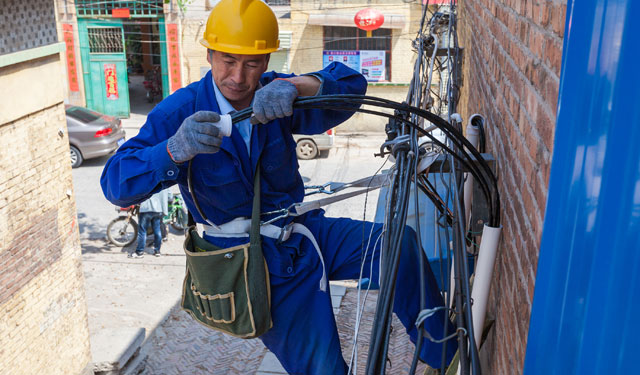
{"type": "Point", "coordinates": [369, 19]}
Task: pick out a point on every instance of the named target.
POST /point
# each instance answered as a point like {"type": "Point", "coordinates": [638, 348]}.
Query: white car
{"type": "Point", "coordinates": [309, 146]}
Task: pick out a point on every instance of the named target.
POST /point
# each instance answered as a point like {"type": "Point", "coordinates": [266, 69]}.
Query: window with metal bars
{"type": "Point", "coordinates": [105, 40]}
{"type": "Point", "coordinates": [139, 8]}
{"type": "Point", "coordinates": [340, 38]}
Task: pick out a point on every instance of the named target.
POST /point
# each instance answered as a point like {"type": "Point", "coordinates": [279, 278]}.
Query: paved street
{"type": "Point", "coordinates": [125, 294]}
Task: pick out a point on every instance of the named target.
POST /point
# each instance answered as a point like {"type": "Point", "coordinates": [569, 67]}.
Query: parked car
{"type": "Point", "coordinates": [92, 134]}
{"type": "Point", "coordinates": [309, 146]}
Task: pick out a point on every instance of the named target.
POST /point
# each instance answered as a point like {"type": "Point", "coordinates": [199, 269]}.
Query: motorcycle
{"type": "Point", "coordinates": [152, 84]}
{"type": "Point", "coordinates": [123, 230]}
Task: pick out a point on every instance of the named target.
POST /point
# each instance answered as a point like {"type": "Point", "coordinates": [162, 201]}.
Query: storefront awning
{"type": "Point", "coordinates": [391, 21]}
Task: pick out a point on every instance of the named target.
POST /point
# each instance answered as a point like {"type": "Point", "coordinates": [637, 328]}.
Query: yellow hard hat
{"type": "Point", "coordinates": [246, 27]}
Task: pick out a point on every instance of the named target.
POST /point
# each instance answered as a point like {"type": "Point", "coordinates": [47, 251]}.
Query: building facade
{"type": "Point", "coordinates": [43, 311]}
{"type": "Point", "coordinates": [113, 46]}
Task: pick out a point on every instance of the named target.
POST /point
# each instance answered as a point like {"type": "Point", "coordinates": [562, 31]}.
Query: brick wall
{"type": "Point", "coordinates": [513, 50]}
{"type": "Point", "coordinates": [43, 312]}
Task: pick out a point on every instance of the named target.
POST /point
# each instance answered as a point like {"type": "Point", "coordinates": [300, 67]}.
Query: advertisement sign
{"type": "Point", "coordinates": [348, 58]}
{"type": "Point", "coordinates": [174, 56]}
{"type": "Point", "coordinates": [370, 63]}
{"type": "Point", "coordinates": [111, 81]}
{"type": "Point", "coordinates": [70, 52]}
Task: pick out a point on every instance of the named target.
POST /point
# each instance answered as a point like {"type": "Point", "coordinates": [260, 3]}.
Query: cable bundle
{"type": "Point", "coordinates": [405, 128]}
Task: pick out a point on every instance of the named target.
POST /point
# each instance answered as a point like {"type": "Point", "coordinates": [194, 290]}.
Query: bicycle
{"type": "Point", "coordinates": [123, 230]}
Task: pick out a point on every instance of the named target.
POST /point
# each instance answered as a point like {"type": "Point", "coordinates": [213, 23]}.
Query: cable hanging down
{"type": "Point", "coordinates": [407, 152]}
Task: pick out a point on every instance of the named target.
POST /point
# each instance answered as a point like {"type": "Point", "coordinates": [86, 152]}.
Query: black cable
{"type": "Point", "coordinates": [481, 172]}
{"type": "Point", "coordinates": [453, 134]}
{"type": "Point", "coordinates": [433, 197]}
{"type": "Point", "coordinates": [421, 255]}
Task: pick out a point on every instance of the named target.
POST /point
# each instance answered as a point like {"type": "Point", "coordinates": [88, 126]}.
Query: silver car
{"type": "Point", "coordinates": [92, 134]}
{"type": "Point", "coordinates": [309, 146]}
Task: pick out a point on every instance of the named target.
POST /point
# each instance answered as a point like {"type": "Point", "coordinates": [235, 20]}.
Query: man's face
{"type": "Point", "coordinates": [237, 76]}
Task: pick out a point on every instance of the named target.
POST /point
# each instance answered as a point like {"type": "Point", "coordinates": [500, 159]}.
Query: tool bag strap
{"type": "Point", "coordinates": [254, 234]}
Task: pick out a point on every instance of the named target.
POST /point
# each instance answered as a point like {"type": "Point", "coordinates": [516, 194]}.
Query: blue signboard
{"type": "Point", "coordinates": [348, 58]}
{"type": "Point", "coordinates": [370, 63]}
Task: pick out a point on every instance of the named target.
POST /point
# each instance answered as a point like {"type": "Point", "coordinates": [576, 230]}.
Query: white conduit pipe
{"type": "Point", "coordinates": [473, 134]}
{"type": "Point", "coordinates": [482, 280]}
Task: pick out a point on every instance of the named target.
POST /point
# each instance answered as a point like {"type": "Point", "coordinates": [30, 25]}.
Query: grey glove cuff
{"type": "Point", "coordinates": [172, 149]}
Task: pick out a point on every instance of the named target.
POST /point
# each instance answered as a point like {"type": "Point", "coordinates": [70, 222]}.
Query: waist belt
{"type": "Point", "coordinates": [240, 227]}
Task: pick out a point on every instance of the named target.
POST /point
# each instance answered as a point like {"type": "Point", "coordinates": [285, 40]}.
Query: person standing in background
{"type": "Point", "coordinates": [151, 212]}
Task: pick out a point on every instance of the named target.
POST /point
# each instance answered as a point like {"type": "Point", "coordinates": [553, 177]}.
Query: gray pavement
{"type": "Point", "coordinates": [128, 298]}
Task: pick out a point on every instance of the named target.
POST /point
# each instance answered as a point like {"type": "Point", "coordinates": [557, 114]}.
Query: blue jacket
{"type": "Point", "coordinates": [223, 181]}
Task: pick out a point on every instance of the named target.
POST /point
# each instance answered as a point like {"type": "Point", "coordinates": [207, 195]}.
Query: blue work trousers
{"type": "Point", "coordinates": [149, 218]}
{"type": "Point", "coordinates": [304, 336]}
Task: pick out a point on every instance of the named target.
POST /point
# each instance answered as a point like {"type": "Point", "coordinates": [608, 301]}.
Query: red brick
{"type": "Point", "coordinates": [540, 194]}
{"type": "Point", "coordinates": [546, 126]}
{"type": "Point", "coordinates": [531, 284]}
{"type": "Point", "coordinates": [550, 93]}
{"type": "Point", "coordinates": [545, 13]}
{"type": "Point", "coordinates": [536, 43]}
{"type": "Point", "coordinates": [558, 19]}
{"type": "Point", "coordinates": [553, 55]}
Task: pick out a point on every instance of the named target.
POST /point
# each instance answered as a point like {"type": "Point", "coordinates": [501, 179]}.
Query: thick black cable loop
{"type": "Point", "coordinates": [455, 135]}
{"type": "Point", "coordinates": [460, 150]}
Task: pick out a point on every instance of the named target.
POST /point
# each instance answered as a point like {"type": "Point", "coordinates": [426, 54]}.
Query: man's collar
{"type": "Point", "coordinates": [225, 106]}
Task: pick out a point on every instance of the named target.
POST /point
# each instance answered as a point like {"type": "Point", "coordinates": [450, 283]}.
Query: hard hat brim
{"type": "Point", "coordinates": [235, 49]}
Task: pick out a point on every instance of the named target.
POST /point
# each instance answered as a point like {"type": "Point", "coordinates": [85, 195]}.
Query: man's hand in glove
{"type": "Point", "coordinates": [198, 134]}
{"type": "Point", "coordinates": [275, 100]}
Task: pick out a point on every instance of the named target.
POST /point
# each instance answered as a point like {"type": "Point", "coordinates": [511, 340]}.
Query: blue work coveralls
{"type": "Point", "coordinates": [304, 335]}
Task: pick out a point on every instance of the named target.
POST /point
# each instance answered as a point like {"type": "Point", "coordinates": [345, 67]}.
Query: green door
{"type": "Point", "coordinates": [105, 66]}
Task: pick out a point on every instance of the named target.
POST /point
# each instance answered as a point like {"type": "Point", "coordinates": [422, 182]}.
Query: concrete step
{"type": "Point", "coordinates": [113, 349]}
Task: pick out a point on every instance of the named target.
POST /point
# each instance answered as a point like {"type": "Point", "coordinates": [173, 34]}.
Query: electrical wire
{"type": "Point", "coordinates": [392, 238]}
{"type": "Point", "coordinates": [482, 172]}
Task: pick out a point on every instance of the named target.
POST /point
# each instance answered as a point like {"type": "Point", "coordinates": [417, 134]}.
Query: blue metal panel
{"type": "Point", "coordinates": [435, 247]}
{"type": "Point", "coordinates": [586, 310]}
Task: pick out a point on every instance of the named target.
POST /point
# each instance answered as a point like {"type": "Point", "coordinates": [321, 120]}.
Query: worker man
{"type": "Point", "coordinates": [239, 36]}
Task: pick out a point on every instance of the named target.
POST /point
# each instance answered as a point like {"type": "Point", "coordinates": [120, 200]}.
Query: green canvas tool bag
{"type": "Point", "coordinates": [228, 289]}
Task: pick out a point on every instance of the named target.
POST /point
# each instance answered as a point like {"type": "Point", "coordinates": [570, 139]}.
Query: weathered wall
{"type": "Point", "coordinates": [43, 312]}
{"type": "Point", "coordinates": [513, 51]}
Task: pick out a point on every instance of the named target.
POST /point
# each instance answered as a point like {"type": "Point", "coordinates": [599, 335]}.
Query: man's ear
{"type": "Point", "coordinates": [209, 57]}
